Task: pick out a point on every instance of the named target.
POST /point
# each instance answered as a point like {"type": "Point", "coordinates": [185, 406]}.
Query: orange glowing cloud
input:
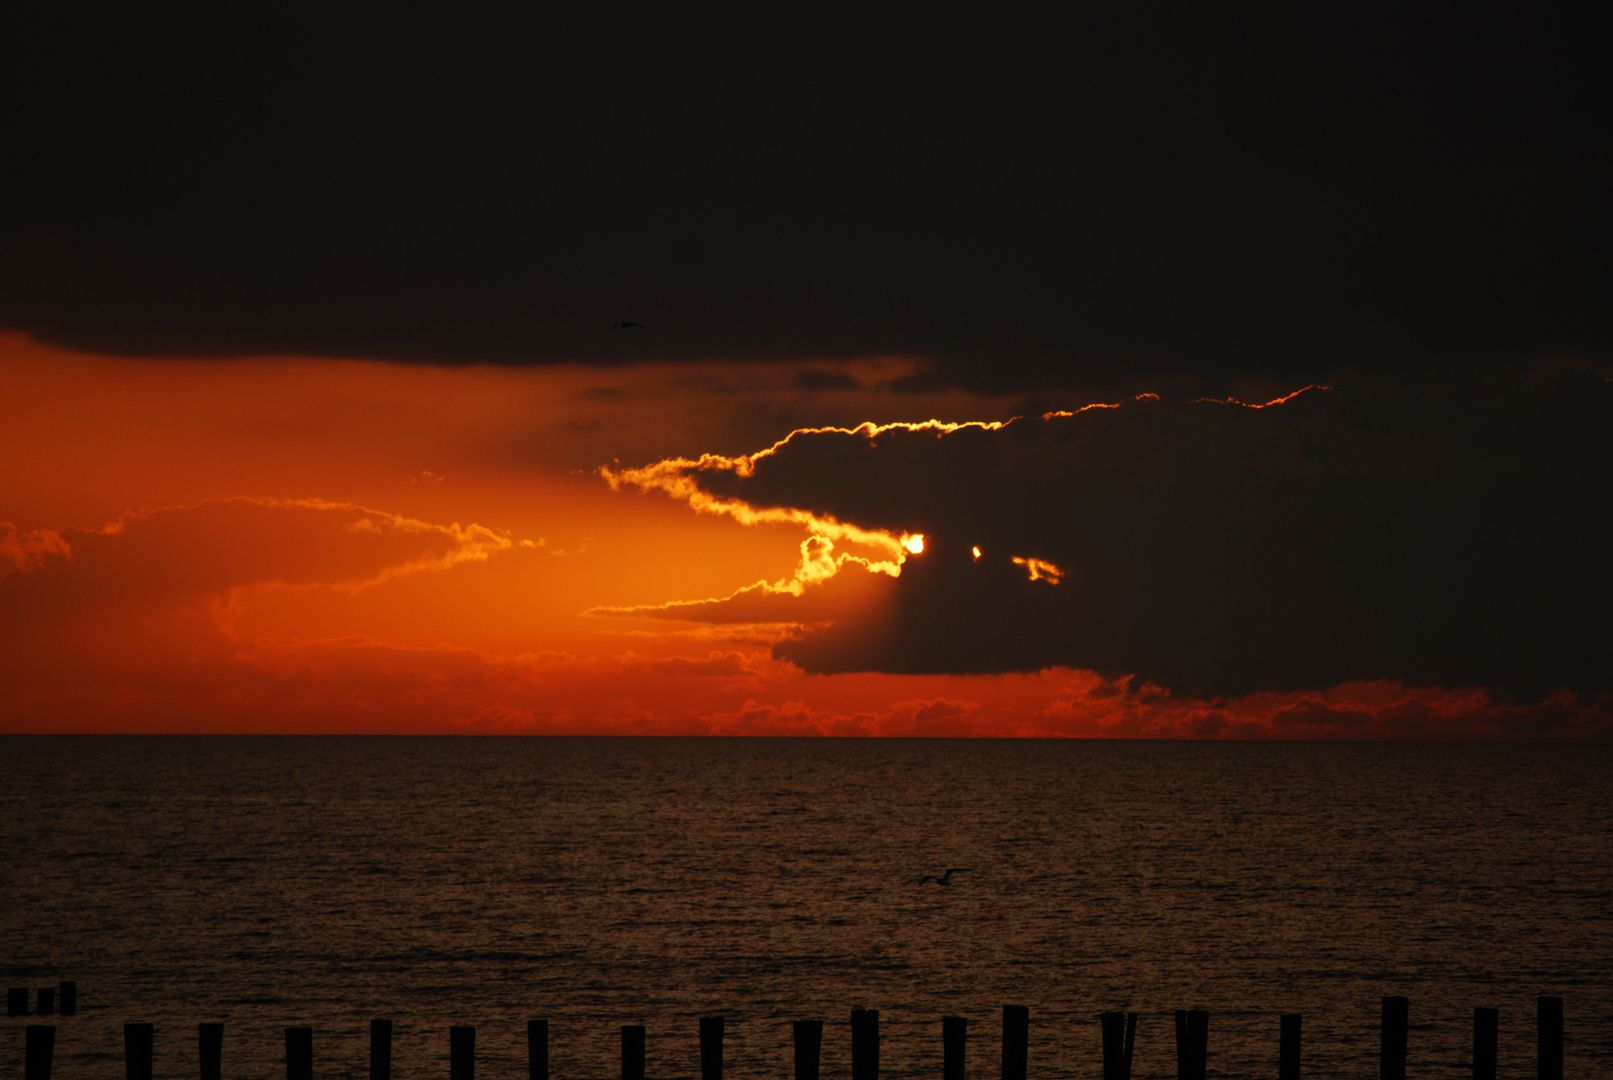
{"type": "Point", "coordinates": [788, 601]}
{"type": "Point", "coordinates": [293, 544]}
{"type": "Point", "coordinates": [682, 479]}
{"type": "Point", "coordinates": [1039, 569]}
{"type": "Point", "coordinates": [123, 600]}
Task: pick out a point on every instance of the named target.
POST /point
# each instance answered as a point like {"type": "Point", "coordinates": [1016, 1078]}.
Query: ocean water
{"type": "Point", "coordinates": [270, 882]}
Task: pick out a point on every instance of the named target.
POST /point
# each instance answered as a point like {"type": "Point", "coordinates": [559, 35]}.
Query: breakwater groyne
{"type": "Point", "coordinates": [1118, 1038]}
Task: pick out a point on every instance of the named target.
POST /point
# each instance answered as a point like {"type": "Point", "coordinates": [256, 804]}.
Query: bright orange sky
{"type": "Point", "coordinates": [299, 545]}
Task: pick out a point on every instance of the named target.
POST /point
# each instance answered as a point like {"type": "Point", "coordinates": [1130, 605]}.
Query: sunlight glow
{"type": "Point", "coordinates": [679, 478]}
{"type": "Point", "coordinates": [976, 551]}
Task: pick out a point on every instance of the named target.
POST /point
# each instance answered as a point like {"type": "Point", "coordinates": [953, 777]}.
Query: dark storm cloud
{"type": "Point", "coordinates": [1444, 532]}
{"type": "Point", "coordinates": [1031, 198]}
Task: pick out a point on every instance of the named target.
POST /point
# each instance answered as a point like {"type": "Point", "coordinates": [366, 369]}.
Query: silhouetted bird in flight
{"type": "Point", "coordinates": [626, 325]}
{"type": "Point", "coordinates": [944, 879]}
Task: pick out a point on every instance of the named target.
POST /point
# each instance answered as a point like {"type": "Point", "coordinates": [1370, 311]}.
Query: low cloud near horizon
{"type": "Point", "coordinates": [323, 546]}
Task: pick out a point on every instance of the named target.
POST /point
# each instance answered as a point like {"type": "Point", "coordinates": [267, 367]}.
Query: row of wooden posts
{"type": "Point", "coordinates": [65, 992]}
{"type": "Point", "coordinates": [1119, 1032]}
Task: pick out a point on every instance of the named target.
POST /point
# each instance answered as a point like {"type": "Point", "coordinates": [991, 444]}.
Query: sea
{"type": "Point", "coordinates": [598, 882]}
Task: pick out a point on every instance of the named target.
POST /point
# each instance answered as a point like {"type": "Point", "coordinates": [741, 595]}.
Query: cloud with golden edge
{"type": "Point", "coordinates": [231, 547]}
{"type": "Point", "coordinates": [678, 478]}
{"type": "Point", "coordinates": [1266, 405]}
{"type": "Point", "coordinates": [1060, 413]}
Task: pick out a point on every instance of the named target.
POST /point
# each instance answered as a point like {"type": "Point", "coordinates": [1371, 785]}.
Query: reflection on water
{"type": "Point", "coordinates": [270, 882]}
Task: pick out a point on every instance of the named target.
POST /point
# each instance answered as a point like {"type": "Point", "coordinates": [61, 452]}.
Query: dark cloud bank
{"type": "Point", "coordinates": [1450, 532]}
{"type": "Point", "coordinates": [1074, 196]}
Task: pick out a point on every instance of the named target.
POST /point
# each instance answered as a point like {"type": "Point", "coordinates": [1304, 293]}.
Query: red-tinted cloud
{"type": "Point", "coordinates": [153, 594]}
{"type": "Point", "coordinates": [368, 609]}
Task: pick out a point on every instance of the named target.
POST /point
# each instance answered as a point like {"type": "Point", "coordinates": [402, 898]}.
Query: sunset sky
{"type": "Point", "coordinates": [1077, 378]}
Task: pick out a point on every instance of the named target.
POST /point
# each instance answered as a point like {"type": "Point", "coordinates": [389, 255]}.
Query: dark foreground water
{"type": "Point", "coordinates": [598, 882]}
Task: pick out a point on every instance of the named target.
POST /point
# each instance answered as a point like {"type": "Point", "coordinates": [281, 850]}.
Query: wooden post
{"type": "Point", "coordinates": [1392, 1040]}
{"type": "Point", "coordinates": [1288, 1047]}
{"type": "Point", "coordinates": [857, 1044]}
{"type": "Point", "coordinates": [1192, 1044]}
{"type": "Point", "coordinates": [17, 1001]}
{"type": "Point", "coordinates": [137, 1039]}
{"type": "Point", "coordinates": [808, 1048]}
{"type": "Point", "coordinates": [461, 1053]}
{"type": "Point", "coordinates": [37, 1051]}
{"type": "Point", "coordinates": [1549, 1047]}
{"type": "Point", "coordinates": [1486, 1042]}
{"type": "Point", "coordinates": [537, 1049]}
{"type": "Point", "coordinates": [47, 1001]}
{"type": "Point", "coordinates": [210, 1050]}
{"type": "Point", "coordinates": [380, 1050]}
{"type": "Point", "coordinates": [1119, 1037]}
{"type": "Point", "coordinates": [954, 1046]}
{"type": "Point", "coordinates": [1016, 1041]}
{"type": "Point", "coordinates": [299, 1053]}
{"type": "Point", "coordinates": [865, 1044]}
{"type": "Point", "coordinates": [68, 993]}
{"type": "Point", "coordinates": [633, 1052]}
{"type": "Point", "coordinates": [1114, 1046]}
{"type": "Point", "coordinates": [711, 1028]}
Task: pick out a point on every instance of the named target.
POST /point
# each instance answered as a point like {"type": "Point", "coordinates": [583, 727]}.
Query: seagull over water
{"type": "Point", "coordinates": [944, 879]}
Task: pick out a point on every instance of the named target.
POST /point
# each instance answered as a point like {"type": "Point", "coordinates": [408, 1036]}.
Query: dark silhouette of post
{"type": "Point", "coordinates": [633, 1052]}
{"type": "Point", "coordinates": [1113, 1025]}
{"type": "Point", "coordinates": [1192, 1044]}
{"type": "Point", "coordinates": [137, 1040]}
{"type": "Point", "coordinates": [711, 1028]}
{"type": "Point", "coordinates": [47, 1001]}
{"type": "Point", "coordinates": [210, 1050]}
{"type": "Point", "coordinates": [1486, 1042]}
{"type": "Point", "coordinates": [1016, 1041]}
{"type": "Point", "coordinates": [537, 1049]}
{"type": "Point", "coordinates": [37, 1050]}
{"type": "Point", "coordinates": [865, 1044]}
{"type": "Point", "coordinates": [1392, 1041]}
{"type": "Point", "coordinates": [17, 1001]}
{"type": "Point", "coordinates": [68, 992]}
{"type": "Point", "coordinates": [1549, 1036]}
{"type": "Point", "coordinates": [808, 1048]}
{"type": "Point", "coordinates": [954, 1045]}
{"type": "Point", "coordinates": [299, 1053]}
{"type": "Point", "coordinates": [461, 1052]}
{"type": "Point", "coordinates": [380, 1050]}
{"type": "Point", "coordinates": [1119, 1036]}
{"type": "Point", "coordinates": [1288, 1047]}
